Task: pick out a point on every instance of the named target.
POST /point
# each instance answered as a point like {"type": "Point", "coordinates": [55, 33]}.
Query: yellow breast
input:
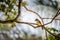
{"type": "Point", "coordinates": [38, 23]}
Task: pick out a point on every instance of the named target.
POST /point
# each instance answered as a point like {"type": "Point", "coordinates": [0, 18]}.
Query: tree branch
{"type": "Point", "coordinates": [54, 17]}
{"type": "Point", "coordinates": [26, 22]}
{"type": "Point", "coordinates": [36, 27]}
{"type": "Point", "coordinates": [19, 11]}
{"type": "Point", "coordinates": [31, 24]}
{"type": "Point", "coordinates": [50, 18]}
{"type": "Point", "coordinates": [43, 18]}
{"type": "Point", "coordinates": [43, 22]}
{"type": "Point", "coordinates": [33, 12]}
{"type": "Point", "coordinates": [52, 33]}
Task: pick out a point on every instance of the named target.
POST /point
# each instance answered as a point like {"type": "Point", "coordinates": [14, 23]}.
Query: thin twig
{"type": "Point", "coordinates": [43, 22]}
{"type": "Point", "coordinates": [54, 17]}
{"type": "Point", "coordinates": [19, 11]}
{"type": "Point", "coordinates": [31, 24]}
{"type": "Point", "coordinates": [33, 12]}
{"type": "Point", "coordinates": [52, 33]}
{"type": "Point", "coordinates": [36, 27]}
{"type": "Point", "coordinates": [26, 22]}
{"type": "Point", "coordinates": [41, 17]}
{"type": "Point", "coordinates": [50, 18]}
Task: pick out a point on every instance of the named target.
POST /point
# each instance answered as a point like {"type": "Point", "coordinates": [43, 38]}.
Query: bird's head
{"type": "Point", "coordinates": [36, 19]}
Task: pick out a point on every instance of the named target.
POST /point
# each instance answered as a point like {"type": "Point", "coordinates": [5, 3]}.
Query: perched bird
{"type": "Point", "coordinates": [38, 22]}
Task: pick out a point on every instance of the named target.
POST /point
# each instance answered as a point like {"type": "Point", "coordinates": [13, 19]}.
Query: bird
{"type": "Point", "coordinates": [38, 22]}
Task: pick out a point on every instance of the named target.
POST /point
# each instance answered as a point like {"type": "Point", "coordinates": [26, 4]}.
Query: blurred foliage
{"type": "Point", "coordinates": [25, 35]}
{"type": "Point", "coordinates": [2, 0]}
{"type": "Point", "coordinates": [7, 26]}
{"type": "Point", "coordinates": [50, 37]}
{"type": "Point", "coordinates": [11, 16]}
{"type": "Point", "coordinates": [51, 3]}
{"type": "Point", "coordinates": [24, 3]}
{"type": "Point", "coordinates": [13, 25]}
{"type": "Point", "coordinates": [58, 34]}
{"type": "Point", "coordinates": [7, 6]}
{"type": "Point", "coordinates": [1, 27]}
{"type": "Point", "coordinates": [9, 9]}
{"type": "Point", "coordinates": [52, 29]}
